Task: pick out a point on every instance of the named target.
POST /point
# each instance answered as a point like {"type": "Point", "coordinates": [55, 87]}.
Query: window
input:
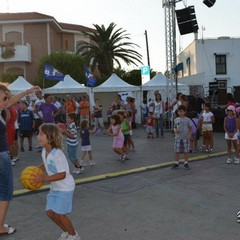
{"type": "Point", "coordinates": [66, 45]}
{"type": "Point", "coordinates": [221, 64]}
{"type": "Point", "coordinates": [15, 37]}
{"type": "Point", "coordinates": [188, 63]}
{"type": "Point", "coordinates": [16, 71]}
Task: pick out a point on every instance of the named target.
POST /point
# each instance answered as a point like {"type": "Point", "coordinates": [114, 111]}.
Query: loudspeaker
{"type": "Point", "coordinates": [209, 3]}
{"type": "Point", "coordinates": [187, 21]}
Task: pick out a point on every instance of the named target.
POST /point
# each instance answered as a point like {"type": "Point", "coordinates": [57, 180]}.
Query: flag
{"type": "Point", "coordinates": [91, 81]}
{"type": "Point", "coordinates": [179, 67]}
{"type": "Point", "coordinates": [50, 73]}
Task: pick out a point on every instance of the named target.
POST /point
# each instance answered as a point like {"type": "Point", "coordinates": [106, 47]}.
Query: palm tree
{"type": "Point", "coordinates": [108, 47]}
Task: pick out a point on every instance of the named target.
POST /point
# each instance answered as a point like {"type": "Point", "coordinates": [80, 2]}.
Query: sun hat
{"type": "Point", "coordinates": [231, 108]}
{"type": "Point", "coordinates": [237, 110]}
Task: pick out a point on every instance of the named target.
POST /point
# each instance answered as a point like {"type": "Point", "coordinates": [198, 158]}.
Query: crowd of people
{"type": "Point", "coordinates": [191, 117]}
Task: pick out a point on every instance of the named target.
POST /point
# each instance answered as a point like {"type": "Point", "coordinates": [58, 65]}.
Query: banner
{"type": "Point", "coordinates": [50, 73]}
{"type": "Point", "coordinates": [145, 73]}
{"type": "Point", "coordinates": [91, 81]}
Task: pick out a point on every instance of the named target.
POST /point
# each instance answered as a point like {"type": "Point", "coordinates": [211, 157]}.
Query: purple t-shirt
{"type": "Point", "coordinates": [231, 124]}
{"type": "Point", "coordinates": [48, 110]}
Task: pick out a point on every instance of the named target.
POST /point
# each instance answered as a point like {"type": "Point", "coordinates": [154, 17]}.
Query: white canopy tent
{"type": "Point", "coordinates": [19, 85]}
{"type": "Point", "coordinates": [161, 83]}
{"type": "Point", "coordinates": [107, 91]}
{"type": "Point", "coordinates": [68, 85]}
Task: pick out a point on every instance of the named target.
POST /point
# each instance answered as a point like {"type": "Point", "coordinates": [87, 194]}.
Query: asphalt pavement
{"type": "Point", "coordinates": [142, 198]}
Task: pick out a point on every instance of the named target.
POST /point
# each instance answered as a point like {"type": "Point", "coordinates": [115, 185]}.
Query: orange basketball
{"type": "Point", "coordinates": [27, 175]}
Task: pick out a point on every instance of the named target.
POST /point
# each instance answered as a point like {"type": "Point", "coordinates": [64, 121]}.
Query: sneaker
{"type": "Point", "coordinates": [92, 163]}
{"type": "Point", "coordinates": [203, 148]}
{"type": "Point", "coordinates": [74, 170]}
{"type": "Point", "coordinates": [186, 165]}
{"type": "Point", "coordinates": [229, 160]}
{"type": "Point", "coordinates": [79, 170]}
{"type": "Point", "coordinates": [190, 151]}
{"type": "Point", "coordinates": [73, 237]}
{"type": "Point", "coordinates": [30, 149]}
{"type": "Point", "coordinates": [63, 236]}
{"type": "Point", "coordinates": [13, 163]}
{"type": "Point", "coordinates": [82, 163]}
{"type": "Point", "coordinates": [15, 159]}
{"type": "Point", "coordinates": [123, 158]}
{"type": "Point", "coordinates": [211, 150]}
{"type": "Point", "coordinates": [236, 161]}
{"type": "Point", "coordinates": [21, 149]}
{"type": "Point", "coordinates": [175, 166]}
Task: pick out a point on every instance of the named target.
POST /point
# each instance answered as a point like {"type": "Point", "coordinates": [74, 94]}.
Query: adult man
{"type": "Point", "coordinates": [59, 107]}
{"type": "Point", "coordinates": [84, 108]}
{"type": "Point", "coordinates": [199, 103]}
{"type": "Point", "coordinates": [48, 109]}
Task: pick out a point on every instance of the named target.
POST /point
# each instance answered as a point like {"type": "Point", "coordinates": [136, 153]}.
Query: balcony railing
{"type": "Point", "coordinates": [18, 53]}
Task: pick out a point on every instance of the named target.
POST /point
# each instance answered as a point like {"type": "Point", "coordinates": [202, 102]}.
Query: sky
{"type": "Point", "coordinates": [136, 17]}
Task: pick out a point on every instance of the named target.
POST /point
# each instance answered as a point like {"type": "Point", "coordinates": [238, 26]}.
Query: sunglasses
{"type": "Point", "coordinates": [5, 98]}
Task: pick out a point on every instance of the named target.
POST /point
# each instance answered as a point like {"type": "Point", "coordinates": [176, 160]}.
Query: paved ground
{"type": "Point", "coordinates": [159, 204]}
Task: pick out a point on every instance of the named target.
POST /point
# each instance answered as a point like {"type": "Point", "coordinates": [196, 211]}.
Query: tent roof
{"type": "Point", "coordinates": [19, 85]}
{"type": "Point", "coordinates": [115, 84]}
{"type": "Point", "coordinates": [68, 85]}
{"type": "Point", "coordinates": [159, 80]}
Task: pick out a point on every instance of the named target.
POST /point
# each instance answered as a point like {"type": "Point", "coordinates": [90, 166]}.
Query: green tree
{"type": "Point", "coordinates": [107, 47]}
{"type": "Point", "coordinates": [65, 63]}
{"type": "Point", "coordinates": [8, 77]}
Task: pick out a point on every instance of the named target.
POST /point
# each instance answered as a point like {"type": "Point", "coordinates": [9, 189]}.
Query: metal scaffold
{"type": "Point", "coordinates": [170, 41]}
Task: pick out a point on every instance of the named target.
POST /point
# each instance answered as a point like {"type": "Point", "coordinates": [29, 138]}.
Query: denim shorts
{"type": "Point", "coordinates": [6, 177]}
{"type": "Point", "coordinates": [59, 201]}
{"type": "Point", "coordinates": [72, 153]}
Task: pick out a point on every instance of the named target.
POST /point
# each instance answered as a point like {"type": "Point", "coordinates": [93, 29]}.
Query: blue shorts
{"type": "Point", "coordinates": [72, 153]}
{"type": "Point", "coordinates": [6, 177]}
{"type": "Point", "coordinates": [59, 201]}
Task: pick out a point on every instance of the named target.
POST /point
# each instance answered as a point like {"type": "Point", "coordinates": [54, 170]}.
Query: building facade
{"type": "Point", "coordinates": [26, 37]}
{"type": "Point", "coordinates": [212, 67]}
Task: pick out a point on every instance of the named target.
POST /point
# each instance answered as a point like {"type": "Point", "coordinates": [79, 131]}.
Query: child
{"type": "Point", "coordinates": [125, 128]}
{"type": "Point", "coordinates": [86, 146]}
{"type": "Point", "coordinates": [183, 131]}
{"type": "Point", "coordinates": [150, 125]}
{"type": "Point", "coordinates": [238, 119]}
{"type": "Point", "coordinates": [207, 119]}
{"type": "Point", "coordinates": [72, 142]}
{"type": "Point", "coordinates": [195, 132]}
{"type": "Point", "coordinates": [59, 199]}
{"type": "Point", "coordinates": [26, 125]}
{"type": "Point", "coordinates": [118, 138]}
{"type": "Point", "coordinates": [231, 132]}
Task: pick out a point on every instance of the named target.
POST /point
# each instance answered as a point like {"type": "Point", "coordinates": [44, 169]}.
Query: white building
{"type": "Point", "coordinates": [212, 67]}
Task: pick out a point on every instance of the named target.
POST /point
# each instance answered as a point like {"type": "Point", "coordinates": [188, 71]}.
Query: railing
{"type": "Point", "coordinates": [18, 53]}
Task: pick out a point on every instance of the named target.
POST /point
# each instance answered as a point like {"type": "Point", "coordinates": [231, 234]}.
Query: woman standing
{"type": "Point", "coordinates": [6, 176]}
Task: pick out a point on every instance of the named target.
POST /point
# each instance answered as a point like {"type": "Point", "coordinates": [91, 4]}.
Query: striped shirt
{"type": "Point", "coordinates": [25, 119]}
{"type": "Point", "coordinates": [71, 128]}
